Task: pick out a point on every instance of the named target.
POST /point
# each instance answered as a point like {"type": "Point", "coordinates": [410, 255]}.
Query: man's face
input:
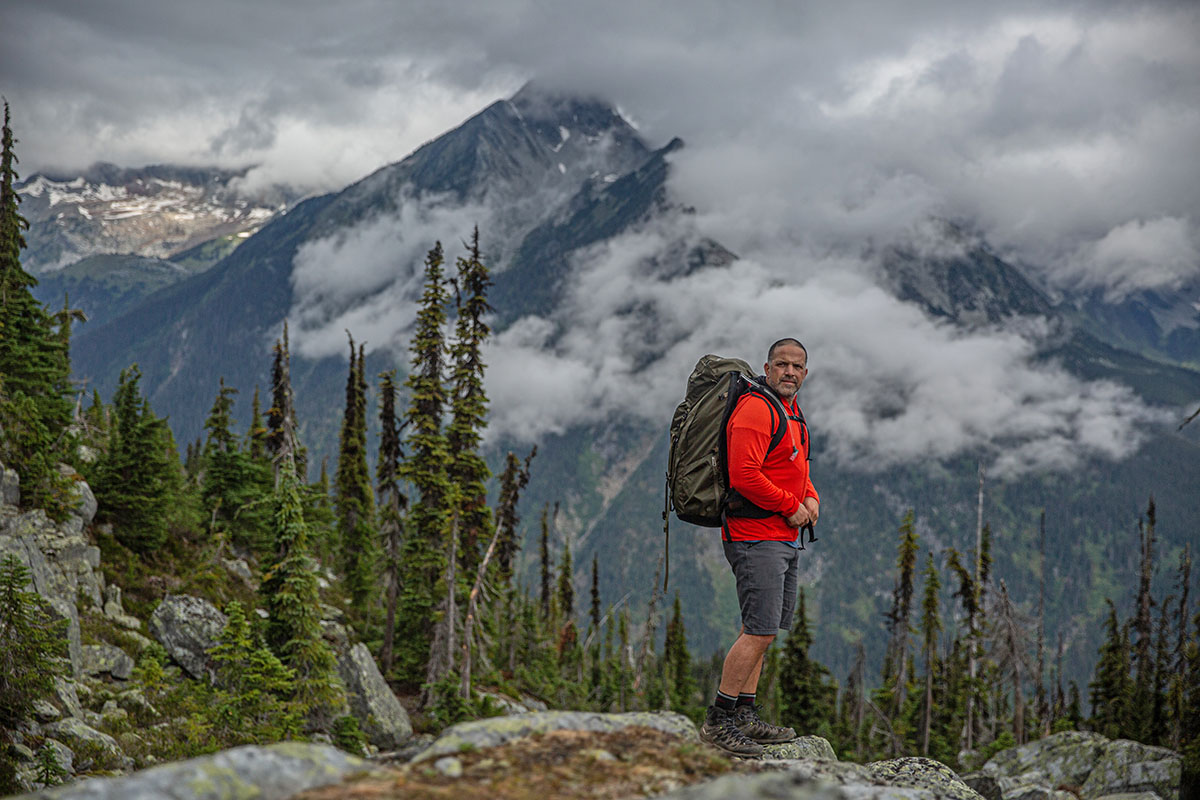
{"type": "Point", "coordinates": [786, 370]}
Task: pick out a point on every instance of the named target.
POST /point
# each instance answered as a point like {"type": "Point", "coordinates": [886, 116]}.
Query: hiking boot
{"type": "Point", "coordinates": [720, 731]}
{"type": "Point", "coordinates": [753, 727]}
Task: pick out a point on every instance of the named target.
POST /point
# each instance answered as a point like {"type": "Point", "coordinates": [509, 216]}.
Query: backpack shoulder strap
{"type": "Point", "coordinates": [779, 414]}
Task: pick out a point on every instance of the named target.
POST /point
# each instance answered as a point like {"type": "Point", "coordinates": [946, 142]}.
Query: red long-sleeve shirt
{"type": "Point", "coordinates": [776, 481]}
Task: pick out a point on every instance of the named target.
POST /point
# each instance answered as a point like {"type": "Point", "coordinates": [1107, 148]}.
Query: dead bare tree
{"type": "Point", "coordinates": [1010, 653]}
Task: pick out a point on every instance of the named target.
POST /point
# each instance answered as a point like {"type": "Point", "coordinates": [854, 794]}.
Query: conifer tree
{"type": "Point", "coordinates": [468, 407]}
{"type": "Point", "coordinates": [595, 607]}
{"type": "Point", "coordinates": [544, 560]}
{"type": "Point", "coordinates": [392, 504]}
{"type": "Point", "coordinates": [251, 706]}
{"type": "Point", "coordinates": [1142, 702]}
{"type": "Point", "coordinates": [35, 405]}
{"type": "Point", "coordinates": [290, 593]}
{"type": "Point", "coordinates": [131, 481]}
{"type": "Point", "coordinates": [566, 584]}
{"type": "Point", "coordinates": [353, 496]}
{"type": "Point", "coordinates": [512, 481]}
{"type": "Point", "coordinates": [677, 662]}
{"type": "Point", "coordinates": [1110, 689]}
{"type": "Point", "coordinates": [256, 435]}
{"type": "Point", "coordinates": [809, 695]}
{"type": "Point", "coordinates": [891, 694]}
{"type": "Point", "coordinates": [425, 467]}
{"type": "Point", "coordinates": [1176, 688]}
{"type": "Point", "coordinates": [931, 626]}
{"type": "Point", "coordinates": [1010, 653]}
{"type": "Point", "coordinates": [235, 489]}
{"type": "Point", "coordinates": [282, 430]}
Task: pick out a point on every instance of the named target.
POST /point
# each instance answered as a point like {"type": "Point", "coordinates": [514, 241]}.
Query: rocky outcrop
{"type": "Point", "coordinates": [372, 702]}
{"type": "Point", "coordinates": [1090, 765]}
{"type": "Point", "coordinates": [922, 773]}
{"type": "Point", "coordinates": [274, 772]}
{"type": "Point", "coordinates": [92, 749]}
{"type": "Point", "coordinates": [188, 627]}
{"type": "Point", "coordinates": [482, 733]}
{"type": "Point", "coordinates": [106, 659]}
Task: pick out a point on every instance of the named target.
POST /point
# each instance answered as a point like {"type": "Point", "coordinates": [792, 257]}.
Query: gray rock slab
{"type": "Point", "coordinates": [1126, 767]}
{"type": "Point", "coordinates": [67, 697]}
{"type": "Point", "coordinates": [102, 659]}
{"type": "Point", "coordinates": [82, 500]}
{"type": "Point", "coordinates": [372, 702]}
{"type": "Point", "coordinates": [484, 733]}
{"type": "Point", "coordinates": [985, 784]}
{"type": "Point", "coordinates": [274, 772]}
{"type": "Point", "coordinates": [10, 486]}
{"type": "Point", "coordinates": [64, 755]}
{"type": "Point", "coordinates": [188, 627]}
{"type": "Point", "coordinates": [923, 773]}
{"type": "Point", "coordinates": [100, 748]}
{"type": "Point", "coordinates": [1061, 758]}
{"type": "Point", "coordinates": [814, 748]}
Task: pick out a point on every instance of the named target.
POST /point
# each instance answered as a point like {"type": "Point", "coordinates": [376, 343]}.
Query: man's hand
{"type": "Point", "coordinates": [800, 518]}
{"type": "Point", "coordinates": [814, 509]}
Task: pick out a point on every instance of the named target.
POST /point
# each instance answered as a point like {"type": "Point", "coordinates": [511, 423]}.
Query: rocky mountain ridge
{"type": "Point", "coordinates": [156, 212]}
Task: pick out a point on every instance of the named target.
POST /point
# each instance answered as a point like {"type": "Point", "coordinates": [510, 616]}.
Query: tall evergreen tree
{"type": "Point", "coordinates": [544, 561]}
{"type": "Point", "coordinates": [392, 504]}
{"type": "Point", "coordinates": [425, 467]}
{"type": "Point", "coordinates": [289, 590]}
{"type": "Point", "coordinates": [282, 430]}
{"type": "Point", "coordinates": [1110, 689]}
{"type": "Point", "coordinates": [931, 626]}
{"type": "Point", "coordinates": [468, 408]}
{"type": "Point", "coordinates": [512, 481]}
{"type": "Point", "coordinates": [809, 695]}
{"type": "Point", "coordinates": [1138, 725]}
{"type": "Point", "coordinates": [1176, 689]}
{"type": "Point", "coordinates": [131, 480]}
{"type": "Point", "coordinates": [256, 435]}
{"type": "Point", "coordinates": [595, 606]}
{"type": "Point", "coordinates": [677, 662]}
{"type": "Point", "coordinates": [353, 496]}
{"type": "Point", "coordinates": [896, 676]}
{"type": "Point", "coordinates": [35, 405]}
{"type": "Point", "coordinates": [235, 489]}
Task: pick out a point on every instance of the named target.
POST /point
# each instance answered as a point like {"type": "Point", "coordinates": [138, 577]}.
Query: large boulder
{"type": "Point", "coordinates": [806, 748]}
{"type": "Point", "coordinates": [188, 627]}
{"type": "Point", "coordinates": [71, 561]}
{"type": "Point", "coordinates": [43, 581]}
{"type": "Point", "coordinates": [379, 713]}
{"type": "Point", "coordinates": [1126, 767]}
{"type": "Point", "coordinates": [92, 749]}
{"type": "Point", "coordinates": [274, 772]}
{"type": "Point", "coordinates": [102, 659]}
{"type": "Point", "coordinates": [482, 733]}
{"type": "Point", "coordinates": [923, 773]}
{"type": "Point", "coordinates": [1065, 758]}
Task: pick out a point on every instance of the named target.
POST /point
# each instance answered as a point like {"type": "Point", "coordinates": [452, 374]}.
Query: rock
{"type": "Point", "coordinates": [449, 766]}
{"type": "Point", "coordinates": [68, 560]}
{"type": "Point", "coordinates": [114, 609]}
{"type": "Point", "coordinates": [923, 773]}
{"type": "Point", "coordinates": [45, 711]}
{"type": "Point", "coordinates": [10, 486]}
{"type": "Point", "coordinates": [1126, 767]}
{"type": "Point", "coordinates": [811, 780]}
{"type": "Point", "coordinates": [510, 705]}
{"type": "Point", "coordinates": [336, 634]}
{"type": "Point", "coordinates": [67, 697]}
{"type": "Point", "coordinates": [65, 611]}
{"type": "Point", "coordinates": [83, 502]}
{"type": "Point", "coordinates": [188, 627]}
{"type": "Point", "coordinates": [274, 772]}
{"type": "Point", "coordinates": [986, 785]}
{"type": "Point", "coordinates": [64, 755]}
{"type": "Point", "coordinates": [805, 747]}
{"type": "Point", "coordinates": [1131, 796]}
{"type": "Point", "coordinates": [133, 701]}
{"type": "Point", "coordinates": [379, 713]}
{"type": "Point", "coordinates": [1061, 758]}
{"type": "Point", "coordinates": [22, 753]}
{"type": "Point", "coordinates": [95, 750]}
{"type": "Point", "coordinates": [99, 659]}
{"type": "Point", "coordinates": [240, 570]}
{"type": "Point", "coordinates": [483, 733]}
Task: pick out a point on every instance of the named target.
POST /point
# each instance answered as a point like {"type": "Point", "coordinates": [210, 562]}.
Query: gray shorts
{"type": "Point", "coordinates": [767, 576]}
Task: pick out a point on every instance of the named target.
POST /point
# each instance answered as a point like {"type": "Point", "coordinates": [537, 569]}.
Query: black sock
{"type": "Point", "coordinates": [725, 701]}
{"type": "Point", "coordinates": [744, 699]}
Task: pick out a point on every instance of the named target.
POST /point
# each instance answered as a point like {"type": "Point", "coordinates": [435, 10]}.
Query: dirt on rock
{"type": "Point", "coordinates": [634, 762]}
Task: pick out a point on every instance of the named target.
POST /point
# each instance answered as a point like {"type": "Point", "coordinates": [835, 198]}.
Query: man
{"type": "Point", "coordinates": [772, 499]}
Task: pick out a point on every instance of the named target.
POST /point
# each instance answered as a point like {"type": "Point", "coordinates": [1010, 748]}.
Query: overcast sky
{"type": "Point", "coordinates": [1065, 134]}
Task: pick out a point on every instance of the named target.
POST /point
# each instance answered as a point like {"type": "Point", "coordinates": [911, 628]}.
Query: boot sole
{"type": "Point", "coordinates": [727, 751]}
